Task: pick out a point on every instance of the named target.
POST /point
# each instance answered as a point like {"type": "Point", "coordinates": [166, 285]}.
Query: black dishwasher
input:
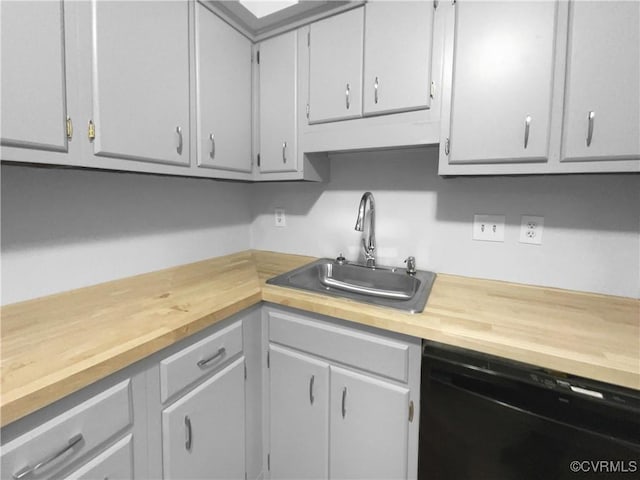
{"type": "Point", "coordinates": [484, 417]}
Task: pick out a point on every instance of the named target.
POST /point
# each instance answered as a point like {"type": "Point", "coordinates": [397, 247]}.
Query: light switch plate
{"type": "Point", "coordinates": [488, 228]}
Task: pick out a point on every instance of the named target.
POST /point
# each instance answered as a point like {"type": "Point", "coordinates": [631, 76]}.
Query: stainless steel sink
{"type": "Point", "coordinates": [383, 286]}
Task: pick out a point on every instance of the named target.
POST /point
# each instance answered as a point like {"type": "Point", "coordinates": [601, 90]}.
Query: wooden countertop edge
{"type": "Point", "coordinates": [47, 390]}
{"type": "Point", "coordinates": [43, 391]}
{"type": "Point", "coordinates": [347, 311]}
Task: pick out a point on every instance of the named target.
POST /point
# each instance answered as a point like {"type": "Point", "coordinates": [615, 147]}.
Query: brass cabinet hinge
{"type": "Point", "coordinates": [432, 90]}
{"type": "Point", "coordinates": [69, 126]}
{"type": "Point", "coordinates": [92, 130]}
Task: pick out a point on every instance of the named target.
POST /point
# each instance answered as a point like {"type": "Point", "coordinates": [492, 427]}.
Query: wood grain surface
{"type": "Point", "coordinates": [56, 345]}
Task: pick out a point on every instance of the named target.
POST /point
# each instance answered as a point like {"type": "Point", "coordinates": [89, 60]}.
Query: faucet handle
{"type": "Point", "coordinates": [411, 265]}
{"type": "Point", "coordinates": [340, 260]}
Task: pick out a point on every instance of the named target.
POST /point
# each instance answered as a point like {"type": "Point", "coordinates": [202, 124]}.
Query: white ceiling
{"type": "Point", "coordinates": [295, 14]}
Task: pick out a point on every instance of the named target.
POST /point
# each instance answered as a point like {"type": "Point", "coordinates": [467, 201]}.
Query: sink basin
{"type": "Point", "coordinates": [379, 286]}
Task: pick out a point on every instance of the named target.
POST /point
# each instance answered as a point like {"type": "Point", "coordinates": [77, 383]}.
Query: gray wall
{"type": "Point", "coordinates": [64, 229]}
{"type": "Point", "coordinates": [591, 237]}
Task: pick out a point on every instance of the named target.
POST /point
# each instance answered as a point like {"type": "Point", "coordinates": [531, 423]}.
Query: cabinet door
{"type": "Point", "coordinates": [33, 75]}
{"type": "Point", "coordinates": [602, 94]}
{"type": "Point", "coordinates": [369, 427]}
{"type": "Point", "coordinates": [223, 94]}
{"type": "Point", "coordinates": [278, 103]}
{"type": "Point", "coordinates": [203, 432]}
{"type": "Point", "coordinates": [335, 67]}
{"type": "Point", "coordinates": [140, 65]}
{"type": "Point", "coordinates": [299, 396]}
{"type": "Point", "coordinates": [502, 82]}
{"type": "Point", "coordinates": [397, 62]}
{"type": "Point", "coordinates": [115, 463]}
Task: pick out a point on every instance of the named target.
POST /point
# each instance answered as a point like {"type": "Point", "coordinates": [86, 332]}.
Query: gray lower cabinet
{"type": "Point", "coordinates": [299, 415]}
{"type": "Point", "coordinates": [267, 393]}
{"type": "Point", "coordinates": [343, 400]}
{"type": "Point", "coordinates": [93, 436]}
{"type": "Point", "coordinates": [114, 463]}
{"type": "Point", "coordinates": [369, 427]}
{"type": "Point", "coordinates": [203, 432]}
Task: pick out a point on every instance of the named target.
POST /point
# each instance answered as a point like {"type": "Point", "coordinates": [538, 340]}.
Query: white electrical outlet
{"type": "Point", "coordinates": [280, 218]}
{"type": "Point", "coordinates": [489, 228]}
{"type": "Point", "coordinates": [531, 229]}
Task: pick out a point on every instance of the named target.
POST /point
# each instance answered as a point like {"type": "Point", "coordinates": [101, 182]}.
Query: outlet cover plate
{"type": "Point", "coordinates": [488, 228]}
{"type": "Point", "coordinates": [531, 228]}
{"type": "Point", "coordinates": [280, 218]}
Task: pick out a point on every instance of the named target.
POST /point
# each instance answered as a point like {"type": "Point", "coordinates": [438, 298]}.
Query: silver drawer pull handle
{"type": "Point", "coordinates": [212, 152]}
{"type": "Point", "coordinates": [284, 152]}
{"type": "Point", "coordinates": [592, 116]}
{"type": "Point", "coordinates": [311, 382]}
{"type": "Point", "coordinates": [207, 361]}
{"type": "Point", "coordinates": [26, 471]}
{"type": "Point", "coordinates": [348, 93]}
{"type": "Point", "coordinates": [527, 126]}
{"type": "Point", "coordinates": [375, 91]}
{"type": "Point", "coordinates": [179, 132]}
{"type": "Point", "coordinates": [187, 433]}
{"type": "Point", "coordinates": [344, 402]}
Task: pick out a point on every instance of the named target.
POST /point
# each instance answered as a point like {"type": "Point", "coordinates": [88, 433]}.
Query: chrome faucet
{"type": "Point", "coordinates": [368, 245]}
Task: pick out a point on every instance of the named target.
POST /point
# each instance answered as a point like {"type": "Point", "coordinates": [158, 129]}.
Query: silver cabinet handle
{"type": "Point", "coordinates": [592, 116]}
{"type": "Point", "coordinates": [344, 402]}
{"type": "Point", "coordinates": [348, 93]}
{"type": "Point", "coordinates": [375, 91]}
{"type": "Point", "coordinates": [179, 132]}
{"type": "Point", "coordinates": [527, 126]}
{"type": "Point", "coordinates": [187, 433]}
{"type": "Point", "coordinates": [284, 152]}
{"type": "Point", "coordinates": [212, 152]}
{"type": "Point", "coordinates": [208, 361]}
{"type": "Point", "coordinates": [311, 382]}
{"type": "Point", "coordinates": [28, 470]}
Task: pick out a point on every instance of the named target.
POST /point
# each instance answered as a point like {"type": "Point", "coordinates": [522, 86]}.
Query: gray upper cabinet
{"type": "Point", "coordinates": [502, 82]}
{"type": "Point", "coordinates": [335, 67]}
{"type": "Point", "coordinates": [223, 94]}
{"type": "Point", "coordinates": [34, 106]}
{"type": "Point", "coordinates": [602, 93]}
{"type": "Point", "coordinates": [278, 103]}
{"type": "Point", "coordinates": [397, 62]}
{"type": "Point", "coordinates": [140, 84]}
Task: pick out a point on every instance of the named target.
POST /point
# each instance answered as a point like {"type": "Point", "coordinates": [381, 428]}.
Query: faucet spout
{"type": "Point", "coordinates": [368, 244]}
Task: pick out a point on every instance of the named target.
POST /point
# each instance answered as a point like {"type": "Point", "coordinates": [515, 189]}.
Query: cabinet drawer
{"type": "Point", "coordinates": [194, 362]}
{"type": "Point", "coordinates": [96, 420]}
{"type": "Point", "coordinates": [365, 351]}
{"type": "Point", "coordinates": [115, 463]}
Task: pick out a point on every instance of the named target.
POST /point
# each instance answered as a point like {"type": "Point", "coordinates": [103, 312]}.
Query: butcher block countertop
{"type": "Point", "coordinates": [53, 346]}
